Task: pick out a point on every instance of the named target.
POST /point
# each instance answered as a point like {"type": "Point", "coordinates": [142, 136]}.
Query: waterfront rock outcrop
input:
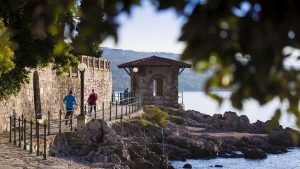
{"type": "Point", "coordinates": [102, 147]}
{"type": "Point", "coordinates": [205, 136]}
{"type": "Point", "coordinates": [136, 144]}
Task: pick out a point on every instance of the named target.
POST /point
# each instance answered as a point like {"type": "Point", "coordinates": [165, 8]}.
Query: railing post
{"type": "Point", "coordinates": [103, 118]}
{"type": "Point", "coordinates": [49, 123]}
{"type": "Point", "coordinates": [22, 118]}
{"type": "Point", "coordinates": [182, 97]}
{"type": "Point", "coordinates": [10, 120]}
{"type": "Point", "coordinates": [144, 138]}
{"type": "Point", "coordinates": [30, 148]}
{"type": "Point", "coordinates": [116, 110]}
{"type": "Point", "coordinates": [126, 109]}
{"type": "Point", "coordinates": [132, 107]}
{"type": "Point", "coordinates": [45, 141]}
{"type": "Point", "coordinates": [19, 131]}
{"type": "Point", "coordinates": [163, 142]}
{"type": "Point", "coordinates": [15, 131]}
{"type": "Point", "coordinates": [38, 139]}
{"type": "Point", "coordinates": [121, 119]}
{"type": "Point", "coordinates": [71, 120]}
{"type": "Point", "coordinates": [110, 111]}
{"type": "Point", "coordinates": [24, 129]}
{"type": "Point", "coordinates": [91, 109]}
{"type": "Point", "coordinates": [59, 129]}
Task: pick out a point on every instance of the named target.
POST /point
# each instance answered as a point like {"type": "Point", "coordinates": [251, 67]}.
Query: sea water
{"type": "Point", "coordinates": [290, 160]}
{"type": "Point", "coordinates": [200, 102]}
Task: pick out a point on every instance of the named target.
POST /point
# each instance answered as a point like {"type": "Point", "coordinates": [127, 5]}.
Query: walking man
{"type": "Point", "coordinates": [70, 101]}
{"type": "Point", "coordinates": [92, 101]}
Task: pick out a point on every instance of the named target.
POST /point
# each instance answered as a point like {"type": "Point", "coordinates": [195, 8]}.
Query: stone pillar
{"type": "Point", "coordinates": [81, 121]}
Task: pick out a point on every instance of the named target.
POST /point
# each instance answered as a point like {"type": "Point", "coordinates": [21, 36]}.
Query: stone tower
{"type": "Point", "coordinates": [155, 79]}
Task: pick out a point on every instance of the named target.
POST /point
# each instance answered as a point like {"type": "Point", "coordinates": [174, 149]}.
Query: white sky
{"type": "Point", "coordinates": [149, 31]}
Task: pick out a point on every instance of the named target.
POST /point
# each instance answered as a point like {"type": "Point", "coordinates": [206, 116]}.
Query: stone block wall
{"type": "Point", "coordinates": [169, 75]}
{"type": "Point", "coordinates": [53, 88]}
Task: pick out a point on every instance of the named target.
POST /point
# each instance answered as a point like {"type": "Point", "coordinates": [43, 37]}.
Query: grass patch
{"type": "Point", "coordinates": [155, 115]}
{"type": "Point", "coordinates": [176, 119]}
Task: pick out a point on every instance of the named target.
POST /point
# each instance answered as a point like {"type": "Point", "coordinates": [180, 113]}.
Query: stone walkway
{"type": "Point", "coordinates": [13, 157]}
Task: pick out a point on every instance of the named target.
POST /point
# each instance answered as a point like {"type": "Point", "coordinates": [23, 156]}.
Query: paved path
{"type": "Point", "coordinates": [13, 157]}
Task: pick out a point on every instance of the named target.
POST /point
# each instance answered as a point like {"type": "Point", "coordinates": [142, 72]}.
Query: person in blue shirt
{"type": "Point", "coordinates": [70, 101]}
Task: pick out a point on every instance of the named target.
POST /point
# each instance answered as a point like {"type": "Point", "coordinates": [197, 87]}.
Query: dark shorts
{"type": "Point", "coordinates": [69, 112]}
{"type": "Point", "coordinates": [91, 106]}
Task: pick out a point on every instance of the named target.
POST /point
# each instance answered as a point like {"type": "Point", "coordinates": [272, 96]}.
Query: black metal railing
{"type": "Point", "coordinates": [18, 133]}
{"type": "Point", "coordinates": [26, 131]}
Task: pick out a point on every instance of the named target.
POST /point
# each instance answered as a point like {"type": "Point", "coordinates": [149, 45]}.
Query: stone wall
{"type": "Point", "coordinates": [145, 78]}
{"type": "Point", "coordinates": [45, 91]}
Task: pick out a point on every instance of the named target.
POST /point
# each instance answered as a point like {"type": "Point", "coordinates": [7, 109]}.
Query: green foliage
{"type": "Point", "coordinates": [155, 115]}
{"type": "Point", "coordinates": [11, 82]}
{"type": "Point", "coordinates": [274, 121]}
{"type": "Point", "coordinates": [143, 122]}
{"type": "Point", "coordinates": [176, 119]}
{"type": "Point", "coordinates": [243, 48]}
{"type": "Point", "coordinates": [6, 50]}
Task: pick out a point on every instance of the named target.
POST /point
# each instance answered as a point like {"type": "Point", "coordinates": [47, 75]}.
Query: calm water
{"type": "Point", "coordinates": [200, 102]}
{"type": "Point", "coordinates": [290, 160]}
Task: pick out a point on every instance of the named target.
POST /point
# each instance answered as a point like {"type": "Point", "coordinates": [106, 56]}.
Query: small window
{"type": "Point", "coordinates": [158, 87]}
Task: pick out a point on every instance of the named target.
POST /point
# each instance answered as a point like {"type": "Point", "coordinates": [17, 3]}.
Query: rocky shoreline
{"type": "Point", "coordinates": [187, 135]}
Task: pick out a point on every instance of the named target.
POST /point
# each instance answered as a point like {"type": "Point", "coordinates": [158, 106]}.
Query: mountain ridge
{"type": "Point", "coordinates": [188, 79]}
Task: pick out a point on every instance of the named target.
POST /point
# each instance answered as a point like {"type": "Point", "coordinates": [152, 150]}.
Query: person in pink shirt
{"type": "Point", "coordinates": [92, 101]}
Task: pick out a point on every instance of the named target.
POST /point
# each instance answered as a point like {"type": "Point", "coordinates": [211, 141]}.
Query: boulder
{"type": "Point", "coordinates": [218, 166]}
{"type": "Point", "coordinates": [254, 154]}
{"type": "Point", "coordinates": [231, 120]}
{"type": "Point", "coordinates": [193, 123]}
{"type": "Point", "coordinates": [199, 117]}
{"type": "Point", "coordinates": [281, 138]}
{"type": "Point", "coordinates": [244, 123]}
{"type": "Point", "coordinates": [187, 165]}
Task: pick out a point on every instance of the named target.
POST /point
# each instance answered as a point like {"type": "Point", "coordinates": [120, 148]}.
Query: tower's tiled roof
{"type": "Point", "coordinates": [154, 61]}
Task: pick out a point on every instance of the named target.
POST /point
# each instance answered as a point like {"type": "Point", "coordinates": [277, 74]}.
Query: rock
{"type": "Point", "coordinates": [199, 117]}
{"type": "Point", "coordinates": [281, 138]}
{"type": "Point", "coordinates": [217, 116]}
{"type": "Point", "coordinates": [218, 166]}
{"type": "Point", "coordinates": [254, 154]}
{"type": "Point", "coordinates": [231, 120]}
{"type": "Point", "coordinates": [193, 123]}
{"type": "Point", "coordinates": [244, 123]}
{"type": "Point", "coordinates": [187, 165]}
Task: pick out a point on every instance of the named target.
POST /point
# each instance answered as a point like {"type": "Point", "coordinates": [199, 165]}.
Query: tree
{"type": "Point", "coordinates": [51, 31]}
{"type": "Point", "coordinates": [245, 42]}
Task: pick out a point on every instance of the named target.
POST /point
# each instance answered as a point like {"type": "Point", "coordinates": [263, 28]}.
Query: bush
{"type": "Point", "coordinates": [176, 119]}
{"type": "Point", "coordinates": [155, 115]}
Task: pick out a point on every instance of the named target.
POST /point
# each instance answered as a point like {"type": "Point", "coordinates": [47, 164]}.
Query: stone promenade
{"type": "Point", "coordinates": [13, 157]}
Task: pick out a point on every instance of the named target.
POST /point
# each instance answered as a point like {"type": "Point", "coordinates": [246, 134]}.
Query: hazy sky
{"type": "Point", "coordinates": [148, 30]}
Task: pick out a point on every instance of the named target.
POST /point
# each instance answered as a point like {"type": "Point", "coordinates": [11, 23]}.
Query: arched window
{"type": "Point", "coordinates": [158, 89]}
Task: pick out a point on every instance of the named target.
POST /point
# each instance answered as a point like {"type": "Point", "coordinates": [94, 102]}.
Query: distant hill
{"type": "Point", "coordinates": [188, 80]}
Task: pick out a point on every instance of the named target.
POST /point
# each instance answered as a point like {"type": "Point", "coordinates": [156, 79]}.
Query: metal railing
{"type": "Point", "coordinates": [26, 132]}
{"type": "Point", "coordinates": [18, 133]}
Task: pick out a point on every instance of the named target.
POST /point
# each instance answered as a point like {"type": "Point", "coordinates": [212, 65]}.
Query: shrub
{"type": "Point", "coordinates": [155, 115]}
{"type": "Point", "coordinates": [176, 119]}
